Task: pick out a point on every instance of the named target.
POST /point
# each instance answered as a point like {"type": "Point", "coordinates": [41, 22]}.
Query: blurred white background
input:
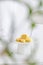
{"type": "Point", "coordinates": [21, 24]}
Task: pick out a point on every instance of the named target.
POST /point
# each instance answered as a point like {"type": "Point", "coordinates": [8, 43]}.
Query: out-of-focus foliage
{"type": "Point", "coordinates": [40, 3]}
{"type": "Point", "coordinates": [34, 63]}
{"type": "Point", "coordinates": [33, 25]}
{"type": "Point", "coordinates": [30, 11]}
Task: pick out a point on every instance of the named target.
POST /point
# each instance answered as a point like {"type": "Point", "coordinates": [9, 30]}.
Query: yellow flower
{"type": "Point", "coordinates": [24, 38]}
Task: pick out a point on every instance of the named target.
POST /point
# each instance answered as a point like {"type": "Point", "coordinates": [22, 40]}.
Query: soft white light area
{"type": "Point", "coordinates": [38, 19]}
{"type": "Point", "coordinates": [21, 25]}
{"type": "Point", "coordinates": [38, 32]}
{"type": "Point", "coordinates": [2, 47]}
{"type": "Point", "coordinates": [32, 3]}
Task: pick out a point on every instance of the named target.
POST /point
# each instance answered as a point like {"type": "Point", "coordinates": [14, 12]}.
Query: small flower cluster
{"type": "Point", "coordinates": [24, 38]}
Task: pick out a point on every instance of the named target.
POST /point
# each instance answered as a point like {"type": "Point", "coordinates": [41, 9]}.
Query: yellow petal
{"type": "Point", "coordinates": [18, 39]}
{"type": "Point", "coordinates": [28, 40]}
{"type": "Point", "coordinates": [24, 38]}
